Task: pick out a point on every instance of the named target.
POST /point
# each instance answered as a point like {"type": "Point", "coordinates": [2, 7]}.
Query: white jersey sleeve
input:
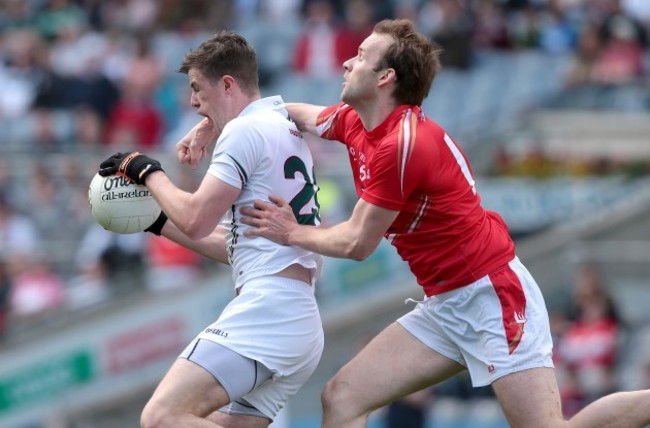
{"type": "Point", "coordinates": [263, 153]}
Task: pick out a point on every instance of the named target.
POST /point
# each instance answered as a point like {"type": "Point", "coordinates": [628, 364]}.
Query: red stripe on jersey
{"type": "Point", "coordinates": [513, 305]}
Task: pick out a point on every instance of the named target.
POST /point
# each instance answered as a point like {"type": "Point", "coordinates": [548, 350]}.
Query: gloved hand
{"type": "Point", "coordinates": [133, 165]}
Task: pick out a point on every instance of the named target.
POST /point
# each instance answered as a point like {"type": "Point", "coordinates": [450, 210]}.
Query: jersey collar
{"type": "Point", "coordinates": [388, 124]}
{"type": "Point", "coordinates": [274, 102]}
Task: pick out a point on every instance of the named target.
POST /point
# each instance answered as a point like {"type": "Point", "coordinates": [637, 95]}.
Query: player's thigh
{"type": "Point", "coordinates": [239, 421]}
{"type": "Point", "coordinates": [530, 398]}
{"type": "Point", "coordinates": [187, 389]}
{"type": "Point", "coordinates": [391, 365]}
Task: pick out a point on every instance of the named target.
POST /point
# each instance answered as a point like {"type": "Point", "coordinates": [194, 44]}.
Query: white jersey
{"type": "Point", "coordinates": [263, 153]}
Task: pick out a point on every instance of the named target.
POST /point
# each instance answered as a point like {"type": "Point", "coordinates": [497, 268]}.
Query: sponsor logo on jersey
{"type": "Point", "coordinates": [216, 331]}
{"type": "Point", "coordinates": [295, 133]}
{"type": "Point", "coordinates": [520, 318]}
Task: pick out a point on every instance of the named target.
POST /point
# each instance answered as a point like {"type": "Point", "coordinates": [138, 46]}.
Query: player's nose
{"type": "Point", "coordinates": [347, 65]}
{"type": "Point", "coordinates": [194, 102]}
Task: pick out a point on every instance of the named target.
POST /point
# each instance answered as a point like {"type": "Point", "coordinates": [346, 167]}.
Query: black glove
{"type": "Point", "coordinates": [156, 227]}
{"type": "Point", "coordinates": [133, 165]}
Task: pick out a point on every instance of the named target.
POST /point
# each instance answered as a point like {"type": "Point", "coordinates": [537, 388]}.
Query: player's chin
{"type": "Point", "coordinates": [344, 96]}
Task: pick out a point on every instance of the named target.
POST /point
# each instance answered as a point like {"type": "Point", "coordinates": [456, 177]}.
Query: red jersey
{"type": "Point", "coordinates": [409, 164]}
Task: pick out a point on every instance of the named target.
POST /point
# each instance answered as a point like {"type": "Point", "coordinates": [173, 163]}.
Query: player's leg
{"type": "Point", "coordinates": [184, 397]}
{"type": "Point", "coordinates": [621, 409]}
{"type": "Point", "coordinates": [206, 377]}
{"type": "Point", "coordinates": [238, 421]}
{"type": "Point", "coordinates": [530, 398]}
{"type": "Point", "coordinates": [392, 365]}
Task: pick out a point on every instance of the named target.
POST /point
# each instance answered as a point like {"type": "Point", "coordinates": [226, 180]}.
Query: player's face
{"type": "Point", "coordinates": [360, 80]}
{"type": "Point", "coordinates": [207, 96]}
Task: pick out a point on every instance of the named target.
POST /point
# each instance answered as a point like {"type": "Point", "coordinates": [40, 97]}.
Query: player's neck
{"type": "Point", "coordinates": [372, 114]}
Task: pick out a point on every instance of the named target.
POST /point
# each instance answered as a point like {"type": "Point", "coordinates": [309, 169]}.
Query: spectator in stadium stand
{"type": "Point", "coordinates": [315, 50]}
{"type": "Point", "coordinates": [136, 121]}
{"type": "Point", "coordinates": [558, 33]}
{"type": "Point", "coordinates": [51, 201]}
{"type": "Point", "coordinates": [356, 26]}
{"type": "Point", "coordinates": [241, 370]}
{"type": "Point", "coordinates": [17, 14]}
{"type": "Point", "coordinates": [18, 233]}
{"type": "Point", "coordinates": [451, 26]}
{"type": "Point", "coordinates": [57, 16]}
{"type": "Point", "coordinates": [582, 67]}
{"type": "Point", "coordinates": [621, 59]}
{"type": "Point", "coordinates": [590, 343]}
{"type": "Point", "coordinates": [36, 289]}
{"type": "Point", "coordinates": [118, 260]}
{"type": "Point", "coordinates": [482, 310]}
{"type": "Point", "coordinates": [491, 26]}
{"type": "Point", "coordinates": [19, 72]}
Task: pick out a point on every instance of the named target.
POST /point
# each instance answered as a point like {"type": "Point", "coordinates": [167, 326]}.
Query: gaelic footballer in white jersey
{"type": "Point", "coordinates": [279, 163]}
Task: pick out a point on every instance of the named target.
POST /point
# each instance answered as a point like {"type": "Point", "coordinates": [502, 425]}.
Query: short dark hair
{"type": "Point", "coordinates": [414, 57]}
{"type": "Point", "coordinates": [225, 53]}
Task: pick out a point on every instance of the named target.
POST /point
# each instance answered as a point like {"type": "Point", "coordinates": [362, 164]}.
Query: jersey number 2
{"type": "Point", "coordinates": [291, 166]}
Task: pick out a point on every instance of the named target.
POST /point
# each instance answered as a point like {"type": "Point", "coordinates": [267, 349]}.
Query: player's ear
{"type": "Point", "coordinates": [386, 76]}
{"type": "Point", "coordinates": [229, 83]}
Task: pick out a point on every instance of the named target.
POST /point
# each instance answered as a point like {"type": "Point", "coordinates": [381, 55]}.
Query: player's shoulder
{"type": "Point", "coordinates": [264, 121]}
{"type": "Point", "coordinates": [413, 131]}
{"type": "Point", "coordinates": [426, 127]}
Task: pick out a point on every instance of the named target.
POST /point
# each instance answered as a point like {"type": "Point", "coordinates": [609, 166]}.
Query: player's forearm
{"type": "Point", "coordinates": [212, 246]}
{"type": "Point", "coordinates": [304, 115]}
{"type": "Point", "coordinates": [341, 241]}
{"type": "Point", "coordinates": [180, 206]}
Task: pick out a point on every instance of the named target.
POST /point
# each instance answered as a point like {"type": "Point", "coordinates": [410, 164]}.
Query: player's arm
{"type": "Point", "coordinates": [355, 238]}
{"type": "Point", "coordinates": [192, 148]}
{"type": "Point", "coordinates": [304, 115]}
{"type": "Point", "coordinates": [195, 214]}
{"type": "Point", "coordinates": [212, 246]}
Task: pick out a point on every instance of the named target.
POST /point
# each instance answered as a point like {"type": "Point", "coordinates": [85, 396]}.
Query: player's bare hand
{"type": "Point", "coordinates": [191, 149]}
{"type": "Point", "coordinates": [274, 220]}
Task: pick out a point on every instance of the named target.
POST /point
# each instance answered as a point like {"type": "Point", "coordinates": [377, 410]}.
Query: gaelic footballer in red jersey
{"type": "Point", "coordinates": [409, 164]}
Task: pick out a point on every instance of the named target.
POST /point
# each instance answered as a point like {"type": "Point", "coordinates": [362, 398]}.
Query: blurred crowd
{"type": "Point", "coordinates": [83, 78]}
{"type": "Point", "coordinates": [87, 73]}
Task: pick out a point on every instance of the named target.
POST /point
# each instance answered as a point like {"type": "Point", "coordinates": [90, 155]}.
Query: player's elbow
{"type": "Point", "coordinates": [195, 229]}
{"type": "Point", "coordinates": [360, 250]}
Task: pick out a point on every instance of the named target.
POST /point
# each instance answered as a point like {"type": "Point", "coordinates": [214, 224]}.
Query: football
{"type": "Point", "coordinates": [121, 206]}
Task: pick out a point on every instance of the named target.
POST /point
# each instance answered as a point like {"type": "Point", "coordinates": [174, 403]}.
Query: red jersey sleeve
{"type": "Point", "coordinates": [331, 122]}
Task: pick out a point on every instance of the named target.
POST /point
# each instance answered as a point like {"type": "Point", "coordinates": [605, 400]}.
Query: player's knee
{"type": "Point", "coordinates": [335, 396]}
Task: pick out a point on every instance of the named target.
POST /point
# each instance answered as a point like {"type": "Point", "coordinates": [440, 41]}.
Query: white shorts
{"type": "Point", "coordinates": [495, 326]}
{"type": "Point", "coordinates": [274, 321]}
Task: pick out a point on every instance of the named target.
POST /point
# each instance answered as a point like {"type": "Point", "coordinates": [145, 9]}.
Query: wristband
{"type": "Point", "coordinates": [156, 227]}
